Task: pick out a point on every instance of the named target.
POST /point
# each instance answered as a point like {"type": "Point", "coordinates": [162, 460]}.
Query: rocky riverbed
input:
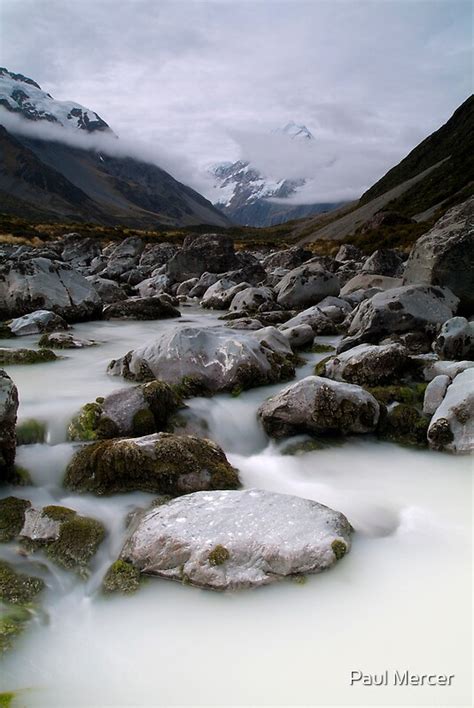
{"type": "Point", "coordinates": [286, 426]}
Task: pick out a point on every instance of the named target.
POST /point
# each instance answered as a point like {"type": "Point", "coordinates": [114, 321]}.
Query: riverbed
{"type": "Point", "coordinates": [401, 600]}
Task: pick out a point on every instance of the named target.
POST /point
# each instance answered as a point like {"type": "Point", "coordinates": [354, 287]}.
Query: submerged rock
{"type": "Point", "coordinates": [121, 577]}
{"type": "Point", "coordinates": [369, 364]}
{"type": "Point", "coordinates": [136, 411]}
{"type": "Point", "coordinates": [238, 539]}
{"type": "Point", "coordinates": [210, 359]}
{"type": "Point", "coordinates": [452, 425]}
{"type": "Point", "coordinates": [9, 357]}
{"type": "Point", "coordinates": [161, 464]}
{"type": "Point", "coordinates": [319, 405]}
{"type": "Point", "coordinates": [17, 588]}
{"type": "Point", "coordinates": [141, 308]}
{"type": "Point", "coordinates": [8, 414]}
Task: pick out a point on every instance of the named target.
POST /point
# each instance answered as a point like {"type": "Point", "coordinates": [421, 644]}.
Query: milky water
{"type": "Point", "coordinates": [401, 600]}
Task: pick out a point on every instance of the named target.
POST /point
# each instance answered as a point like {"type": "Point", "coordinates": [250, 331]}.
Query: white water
{"type": "Point", "coordinates": [400, 600]}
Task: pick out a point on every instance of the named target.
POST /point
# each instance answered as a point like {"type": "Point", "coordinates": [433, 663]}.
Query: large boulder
{"type": "Point", "coordinates": [306, 285]}
{"type": "Point", "coordinates": [314, 317]}
{"type": "Point", "coordinates": [8, 415]}
{"type": "Point", "coordinates": [219, 295]}
{"type": "Point", "coordinates": [141, 308]}
{"type": "Point", "coordinates": [444, 256]}
{"type": "Point", "coordinates": [452, 425]}
{"type": "Point", "coordinates": [434, 393]}
{"type": "Point", "coordinates": [455, 340]}
{"type": "Point", "coordinates": [237, 539]}
{"type": "Point", "coordinates": [289, 258]}
{"type": "Point", "coordinates": [38, 283]}
{"type": "Point", "coordinates": [128, 412]}
{"type": "Point", "coordinates": [108, 290]}
{"type": "Point", "coordinates": [366, 281]}
{"type": "Point", "coordinates": [37, 322]}
{"type": "Point", "coordinates": [319, 405]}
{"type": "Point", "coordinates": [156, 255]}
{"type": "Point", "coordinates": [161, 464]}
{"type": "Point", "coordinates": [253, 299]}
{"type": "Point", "coordinates": [121, 258]}
{"type": "Point", "coordinates": [384, 261]}
{"type": "Point", "coordinates": [369, 364]}
{"type": "Point", "coordinates": [214, 359]}
{"type": "Point", "coordinates": [209, 252]}
{"type": "Point", "coordinates": [404, 309]}
{"type": "Point", "coordinates": [78, 250]}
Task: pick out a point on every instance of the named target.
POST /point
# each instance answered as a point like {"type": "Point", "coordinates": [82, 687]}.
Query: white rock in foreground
{"type": "Point", "coordinates": [237, 539]}
{"type": "Point", "coordinates": [452, 425]}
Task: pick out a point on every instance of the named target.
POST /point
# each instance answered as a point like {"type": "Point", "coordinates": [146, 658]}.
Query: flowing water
{"type": "Point", "coordinates": [401, 600]}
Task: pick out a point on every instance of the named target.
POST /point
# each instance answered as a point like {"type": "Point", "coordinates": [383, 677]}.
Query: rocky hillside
{"type": "Point", "coordinates": [436, 175]}
{"type": "Point", "coordinates": [54, 181]}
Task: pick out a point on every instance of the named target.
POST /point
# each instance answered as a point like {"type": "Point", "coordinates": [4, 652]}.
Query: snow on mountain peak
{"type": "Point", "coordinates": [21, 95]}
{"type": "Point", "coordinates": [294, 130]}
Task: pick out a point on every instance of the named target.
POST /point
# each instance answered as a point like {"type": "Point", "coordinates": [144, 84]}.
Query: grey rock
{"type": "Point", "coordinates": [448, 368]}
{"type": "Point", "coordinates": [298, 336]}
{"type": "Point", "coordinates": [434, 393]}
{"type": "Point", "coordinates": [252, 299]}
{"type": "Point", "coordinates": [37, 323]}
{"type": "Point", "coordinates": [8, 416]}
{"type": "Point", "coordinates": [335, 308]}
{"type": "Point", "coordinates": [141, 308]}
{"type": "Point", "coordinates": [155, 285]}
{"type": "Point", "coordinates": [319, 322]}
{"type": "Point", "coordinates": [455, 340]}
{"type": "Point", "coordinates": [348, 252]}
{"type": "Point", "coordinates": [108, 290]}
{"type": "Point", "coordinates": [369, 364]}
{"type": "Point", "coordinates": [289, 258]}
{"type": "Point", "coordinates": [237, 539]}
{"type": "Point", "coordinates": [319, 405]}
{"type": "Point", "coordinates": [445, 255]}
{"type": "Point", "coordinates": [78, 250]}
{"type": "Point", "coordinates": [213, 359]}
{"type": "Point", "coordinates": [245, 323]}
{"type": "Point", "coordinates": [306, 285]}
{"type": "Point", "coordinates": [366, 281]}
{"type": "Point", "coordinates": [64, 340]}
{"type": "Point", "coordinates": [209, 252]}
{"type": "Point", "coordinates": [186, 287]}
{"type": "Point", "coordinates": [452, 425]}
{"type": "Point", "coordinates": [220, 295]}
{"type": "Point", "coordinates": [384, 261]}
{"type": "Point", "coordinates": [204, 282]}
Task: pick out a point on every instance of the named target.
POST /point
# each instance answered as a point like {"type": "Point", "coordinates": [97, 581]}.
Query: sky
{"type": "Point", "coordinates": [203, 81]}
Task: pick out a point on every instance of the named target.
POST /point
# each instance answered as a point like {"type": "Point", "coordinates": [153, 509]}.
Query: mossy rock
{"type": "Point", "coordinates": [90, 424]}
{"type": "Point", "coordinates": [299, 448]}
{"type": "Point", "coordinates": [31, 431]}
{"type": "Point", "coordinates": [19, 476]}
{"type": "Point", "coordinates": [403, 424]}
{"type": "Point", "coordinates": [161, 464]}
{"type": "Point", "coordinates": [9, 357]}
{"type": "Point", "coordinates": [412, 394]}
{"type": "Point", "coordinates": [121, 577]}
{"type": "Point", "coordinates": [17, 588]}
{"type": "Point", "coordinates": [339, 549]}
{"type": "Point", "coordinates": [78, 541]}
{"type": "Point", "coordinates": [219, 555]}
{"type": "Point", "coordinates": [7, 697]}
{"type": "Point", "coordinates": [318, 348]}
{"type": "Point", "coordinates": [320, 367]}
{"type": "Point", "coordinates": [13, 620]}
{"type": "Point", "coordinates": [12, 517]}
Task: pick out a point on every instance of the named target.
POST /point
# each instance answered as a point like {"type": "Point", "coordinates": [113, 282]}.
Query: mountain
{"type": "Point", "coordinates": [50, 180]}
{"type": "Point", "coordinates": [437, 174]}
{"type": "Point", "coordinates": [243, 193]}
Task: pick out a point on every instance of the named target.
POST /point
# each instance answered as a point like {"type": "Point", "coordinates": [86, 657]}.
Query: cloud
{"type": "Point", "coordinates": [369, 78]}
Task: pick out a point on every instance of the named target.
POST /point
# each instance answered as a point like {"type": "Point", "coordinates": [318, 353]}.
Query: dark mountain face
{"type": "Point", "coordinates": [54, 180]}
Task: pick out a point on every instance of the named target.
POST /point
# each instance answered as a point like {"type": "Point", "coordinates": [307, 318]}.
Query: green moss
{"type": "Point", "coordinates": [30, 432]}
{"type": "Point", "coordinates": [236, 391]}
{"type": "Point", "coordinates": [26, 356]}
{"type": "Point", "coordinates": [6, 699]}
{"type": "Point", "coordinates": [339, 549]}
{"type": "Point", "coordinates": [121, 577]}
{"type": "Point", "coordinates": [322, 348]}
{"type": "Point", "coordinates": [404, 424]}
{"type": "Point", "coordinates": [143, 422]}
{"type": "Point", "coordinates": [20, 476]}
{"type": "Point", "coordinates": [17, 588]}
{"type": "Point", "coordinates": [300, 448]}
{"type": "Point", "coordinates": [412, 394]}
{"type": "Point", "coordinates": [299, 579]}
{"type": "Point", "coordinates": [13, 620]}
{"type": "Point", "coordinates": [5, 331]}
{"type": "Point", "coordinates": [79, 539]}
{"type": "Point", "coordinates": [321, 366]}
{"type": "Point", "coordinates": [58, 513]}
{"type": "Point", "coordinates": [219, 555]}
{"type": "Point", "coordinates": [190, 387]}
{"type": "Point", "coordinates": [84, 425]}
{"type": "Point", "coordinates": [12, 517]}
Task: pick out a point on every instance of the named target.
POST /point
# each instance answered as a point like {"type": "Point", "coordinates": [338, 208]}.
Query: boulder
{"type": "Point", "coordinates": [384, 261]}
{"type": "Point", "coordinates": [369, 364]}
{"type": "Point", "coordinates": [289, 258]}
{"type": "Point", "coordinates": [448, 368]}
{"type": "Point", "coordinates": [156, 255]}
{"type": "Point", "coordinates": [455, 340]}
{"type": "Point", "coordinates": [213, 253]}
{"type": "Point", "coordinates": [107, 289]}
{"type": "Point", "coordinates": [8, 415]}
{"type": "Point", "coordinates": [452, 425]}
{"type": "Point", "coordinates": [335, 308]}
{"type": "Point", "coordinates": [245, 323]}
{"type": "Point", "coordinates": [444, 256]}
{"type": "Point", "coordinates": [299, 336]}
{"type": "Point", "coordinates": [403, 423]}
{"type": "Point", "coordinates": [161, 464]}
{"type": "Point", "coordinates": [204, 282]}
{"type": "Point", "coordinates": [123, 257]}
{"type": "Point", "coordinates": [319, 405]}
{"type": "Point", "coordinates": [306, 285]}
{"type": "Point", "coordinates": [410, 307]}
{"type": "Point", "coordinates": [65, 340]}
{"type": "Point", "coordinates": [253, 299]}
{"type": "Point", "coordinates": [78, 250]}
{"type": "Point", "coordinates": [210, 360]}
{"type": "Point", "coordinates": [219, 295]}
{"type": "Point", "coordinates": [128, 412]}
{"type": "Point", "coordinates": [155, 285]}
{"type": "Point", "coordinates": [9, 357]}
{"type": "Point", "coordinates": [237, 539]}
{"type": "Point", "coordinates": [348, 252]}
{"type": "Point", "coordinates": [38, 283]}
{"type": "Point", "coordinates": [37, 323]}
{"type": "Point", "coordinates": [319, 322]}
{"type": "Point", "coordinates": [141, 308]}
{"type": "Point", "coordinates": [185, 288]}
{"type": "Point", "coordinates": [366, 281]}
{"type": "Point", "coordinates": [434, 393]}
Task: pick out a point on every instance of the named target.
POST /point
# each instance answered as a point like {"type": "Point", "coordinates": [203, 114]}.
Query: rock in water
{"type": "Point", "coordinates": [211, 359]}
{"type": "Point", "coordinates": [452, 425]}
{"type": "Point", "coordinates": [8, 412]}
{"type": "Point", "coordinates": [37, 323]}
{"type": "Point", "coordinates": [319, 405]}
{"type": "Point", "coordinates": [26, 286]}
{"type": "Point", "coordinates": [237, 539]}
{"type": "Point", "coordinates": [141, 308]}
{"type": "Point", "coordinates": [445, 255]}
{"type": "Point", "coordinates": [306, 285]}
{"type": "Point", "coordinates": [369, 364]}
{"type": "Point", "coordinates": [160, 464]}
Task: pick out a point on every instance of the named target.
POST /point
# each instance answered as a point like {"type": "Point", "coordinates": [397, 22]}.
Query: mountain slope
{"type": "Point", "coordinates": [56, 181]}
{"type": "Point", "coordinates": [435, 175]}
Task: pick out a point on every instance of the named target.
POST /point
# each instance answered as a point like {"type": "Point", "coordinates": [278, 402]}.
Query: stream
{"type": "Point", "coordinates": [405, 584]}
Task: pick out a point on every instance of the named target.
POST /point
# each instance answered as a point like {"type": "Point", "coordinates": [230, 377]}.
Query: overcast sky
{"type": "Point", "coordinates": [207, 80]}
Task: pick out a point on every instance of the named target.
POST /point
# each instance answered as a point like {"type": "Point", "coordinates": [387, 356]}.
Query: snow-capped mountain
{"type": "Point", "coordinates": [242, 192]}
{"type": "Point", "coordinates": [22, 95]}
